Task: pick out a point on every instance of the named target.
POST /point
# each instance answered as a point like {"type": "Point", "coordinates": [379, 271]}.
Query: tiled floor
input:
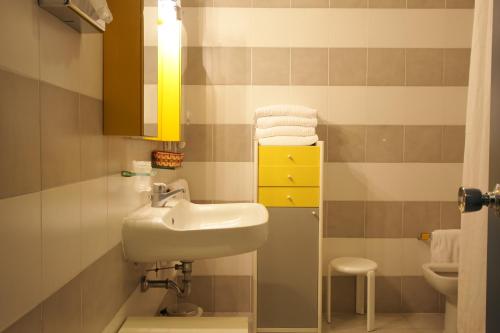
{"type": "Point", "coordinates": [387, 323]}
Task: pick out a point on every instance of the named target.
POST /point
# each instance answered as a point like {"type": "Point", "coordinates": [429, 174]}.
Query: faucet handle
{"type": "Point", "coordinates": [159, 188]}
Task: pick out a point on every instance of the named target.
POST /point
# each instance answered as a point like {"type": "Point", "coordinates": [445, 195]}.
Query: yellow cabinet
{"type": "Point", "coordinates": [289, 196]}
{"type": "Point", "coordinates": [142, 70]}
{"type": "Point", "coordinates": [289, 176]}
{"type": "Point", "coordinates": [289, 155]}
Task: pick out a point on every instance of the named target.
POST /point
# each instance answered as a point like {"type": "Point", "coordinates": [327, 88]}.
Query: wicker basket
{"type": "Point", "coordinates": [166, 160]}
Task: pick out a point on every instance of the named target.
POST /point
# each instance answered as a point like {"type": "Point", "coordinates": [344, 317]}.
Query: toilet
{"type": "Point", "coordinates": [443, 277]}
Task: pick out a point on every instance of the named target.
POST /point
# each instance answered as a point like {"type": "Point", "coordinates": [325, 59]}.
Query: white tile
{"type": "Point", "coordinates": [61, 236]}
{"type": "Point", "coordinates": [386, 252]}
{"type": "Point", "coordinates": [349, 27]}
{"type": "Point", "coordinates": [415, 254]}
{"type": "Point", "coordinates": [19, 40]}
{"type": "Point", "coordinates": [347, 105]}
{"type": "Point", "coordinates": [342, 247]}
{"type": "Point", "coordinates": [201, 178]}
{"type": "Point", "coordinates": [91, 66]}
{"type": "Point", "coordinates": [199, 104]}
{"type": "Point", "coordinates": [59, 53]}
{"type": "Point", "coordinates": [271, 27]}
{"type": "Point", "coordinates": [267, 95]}
{"type": "Point", "coordinates": [310, 27]}
{"type": "Point", "coordinates": [459, 23]}
{"type": "Point", "coordinates": [94, 220]}
{"type": "Point", "coordinates": [228, 27]}
{"type": "Point", "coordinates": [315, 97]}
{"type": "Point", "coordinates": [150, 103]}
{"type": "Point", "coordinates": [122, 200]}
{"type": "Point", "coordinates": [233, 181]}
{"type": "Point", "coordinates": [21, 256]}
{"type": "Point", "coordinates": [233, 105]}
{"type": "Point", "coordinates": [392, 181]}
{"type": "Point", "coordinates": [240, 265]}
{"type": "Point", "coordinates": [150, 26]}
{"type": "Point", "coordinates": [204, 267]}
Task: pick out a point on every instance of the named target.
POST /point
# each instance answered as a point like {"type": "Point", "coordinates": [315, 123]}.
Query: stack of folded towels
{"type": "Point", "coordinates": [286, 125]}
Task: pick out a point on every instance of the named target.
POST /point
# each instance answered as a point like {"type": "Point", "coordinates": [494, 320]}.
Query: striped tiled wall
{"type": "Point", "coordinates": [389, 79]}
{"type": "Point", "coordinates": [61, 197]}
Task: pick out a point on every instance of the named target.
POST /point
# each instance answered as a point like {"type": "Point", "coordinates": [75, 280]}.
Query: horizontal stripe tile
{"type": "Point", "coordinates": [323, 66]}
{"type": "Point", "coordinates": [336, 105]}
{"type": "Point", "coordinates": [392, 181]}
{"type": "Point", "coordinates": [389, 28]}
{"type": "Point", "coordinates": [410, 4]}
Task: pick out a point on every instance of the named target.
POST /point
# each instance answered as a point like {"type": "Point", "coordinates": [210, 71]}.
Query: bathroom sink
{"type": "Point", "coordinates": [186, 231]}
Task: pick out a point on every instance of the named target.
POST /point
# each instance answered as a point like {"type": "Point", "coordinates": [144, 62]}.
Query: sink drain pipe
{"type": "Point", "coordinates": [182, 291]}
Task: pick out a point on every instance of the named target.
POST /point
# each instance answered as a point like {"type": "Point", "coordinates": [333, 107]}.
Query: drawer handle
{"type": "Point", "coordinates": [289, 197]}
{"type": "Point", "coordinates": [290, 157]}
{"type": "Point", "coordinates": [290, 178]}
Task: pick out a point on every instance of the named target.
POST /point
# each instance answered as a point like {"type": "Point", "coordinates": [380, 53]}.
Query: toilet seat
{"type": "Point", "coordinates": [447, 285]}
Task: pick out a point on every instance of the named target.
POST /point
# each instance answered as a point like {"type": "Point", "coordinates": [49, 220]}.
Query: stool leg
{"type": "Point", "coordinates": [370, 320]}
{"type": "Point", "coordinates": [329, 295]}
{"type": "Point", "coordinates": [360, 294]}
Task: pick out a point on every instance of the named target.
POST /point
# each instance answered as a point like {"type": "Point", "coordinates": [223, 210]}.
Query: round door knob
{"type": "Point", "coordinates": [289, 197]}
{"type": "Point", "coordinates": [290, 177]}
{"type": "Point", "coordinates": [470, 200]}
{"type": "Point", "coordinates": [290, 157]}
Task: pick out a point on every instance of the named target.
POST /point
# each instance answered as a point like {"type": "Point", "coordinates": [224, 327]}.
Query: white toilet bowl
{"type": "Point", "coordinates": [444, 278]}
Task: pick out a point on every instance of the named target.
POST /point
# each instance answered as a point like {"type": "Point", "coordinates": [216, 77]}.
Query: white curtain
{"type": "Point", "coordinates": [472, 276]}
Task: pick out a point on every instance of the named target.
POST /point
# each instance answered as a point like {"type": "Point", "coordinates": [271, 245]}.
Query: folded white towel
{"type": "Point", "coordinates": [261, 133]}
{"type": "Point", "coordinates": [445, 246]}
{"type": "Point", "coordinates": [285, 110]}
{"type": "Point", "coordinates": [267, 122]}
{"type": "Point", "coordinates": [289, 141]}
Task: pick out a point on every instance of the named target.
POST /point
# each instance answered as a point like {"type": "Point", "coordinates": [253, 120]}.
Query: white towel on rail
{"type": "Point", "coordinates": [285, 110]}
{"type": "Point", "coordinates": [267, 122]}
{"type": "Point", "coordinates": [289, 141]}
{"type": "Point", "coordinates": [445, 246]}
{"type": "Point", "coordinates": [261, 133]}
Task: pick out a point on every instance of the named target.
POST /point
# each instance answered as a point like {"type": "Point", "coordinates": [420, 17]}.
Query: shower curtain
{"type": "Point", "coordinates": [473, 265]}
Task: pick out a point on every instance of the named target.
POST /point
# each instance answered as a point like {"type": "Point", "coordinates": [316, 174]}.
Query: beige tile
{"type": "Point", "coordinates": [60, 136]}
{"type": "Point", "coordinates": [345, 219]}
{"type": "Point", "coordinates": [310, 3]}
{"type": "Point", "coordinates": [459, 3]}
{"type": "Point", "coordinates": [62, 312]}
{"type": "Point", "coordinates": [233, 3]}
{"type": "Point", "coordinates": [348, 3]}
{"type": "Point", "coordinates": [150, 65]}
{"type": "Point", "coordinates": [232, 293]}
{"type": "Point", "coordinates": [426, 3]}
{"type": "Point", "coordinates": [384, 144]}
{"type": "Point", "coordinates": [343, 292]}
{"type": "Point", "coordinates": [387, 253]}
{"type": "Point", "coordinates": [230, 65]}
{"type": "Point", "coordinates": [202, 292]}
{"type": "Point", "coordinates": [197, 64]}
{"type": "Point", "coordinates": [453, 144]}
{"type": "Point", "coordinates": [19, 135]}
{"type": "Point", "coordinates": [420, 217]}
{"type": "Point", "coordinates": [423, 143]}
{"type": "Point", "coordinates": [20, 40]}
{"type": "Point", "coordinates": [197, 3]}
{"type": "Point", "coordinates": [232, 143]}
{"type": "Point", "coordinates": [59, 52]}
{"type": "Point", "coordinates": [383, 219]}
{"type": "Point", "coordinates": [271, 66]}
{"type": "Point", "coordinates": [390, 288]}
{"type": "Point", "coordinates": [386, 3]}
{"type": "Point", "coordinates": [419, 296]}
{"type": "Point", "coordinates": [30, 322]}
{"type": "Point", "coordinates": [386, 67]}
{"type": "Point", "coordinates": [309, 66]}
{"type": "Point", "coordinates": [456, 67]}
{"type": "Point", "coordinates": [116, 154]}
{"type": "Point", "coordinates": [61, 236]}
{"type": "Point", "coordinates": [424, 67]}
{"type": "Point", "coordinates": [150, 3]}
{"type": "Point", "coordinates": [271, 3]}
{"type": "Point", "coordinates": [93, 141]}
{"type": "Point", "coordinates": [199, 143]}
{"type": "Point", "coordinates": [346, 143]}
{"type": "Point", "coordinates": [91, 65]}
{"type": "Point", "coordinates": [112, 279]}
{"type": "Point", "coordinates": [20, 234]}
{"type": "Point", "coordinates": [348, 67]}
{"type": "Point", "coordinates": [450, 215]}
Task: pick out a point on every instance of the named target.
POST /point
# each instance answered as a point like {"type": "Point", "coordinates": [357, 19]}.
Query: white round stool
{"type": "Point", "coordinates": [359, 267]}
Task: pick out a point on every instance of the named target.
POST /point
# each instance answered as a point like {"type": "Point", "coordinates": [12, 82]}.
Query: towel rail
{"type": "Point", "coordinates": [425, 236]}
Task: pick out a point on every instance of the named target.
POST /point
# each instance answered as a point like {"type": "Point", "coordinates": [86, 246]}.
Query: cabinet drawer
{"type": "Point", "coordinates": [289, 155]}
{"type": "Point", "coordinates": [289, 196]}
{"type": "Point", "coordinates": [289, 176]}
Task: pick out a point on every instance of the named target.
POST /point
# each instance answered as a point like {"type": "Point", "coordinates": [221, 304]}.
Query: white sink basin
{"type": "Point", "coordinates": [187, 231]}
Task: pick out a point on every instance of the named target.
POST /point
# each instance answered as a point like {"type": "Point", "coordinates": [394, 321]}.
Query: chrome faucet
{"type": "Point", "coordinates": [161, 193]}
